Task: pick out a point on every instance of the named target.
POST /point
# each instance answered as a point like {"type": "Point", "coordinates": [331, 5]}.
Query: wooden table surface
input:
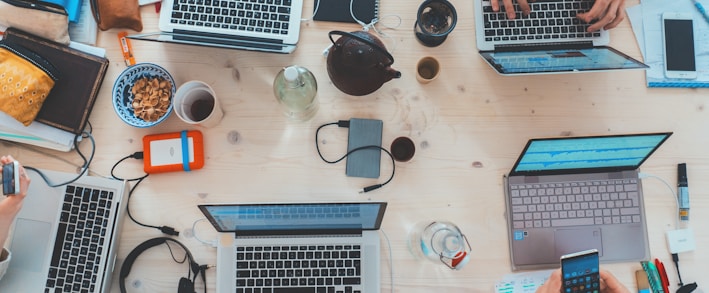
{"type": "Point", "coordinates": [469, 126]}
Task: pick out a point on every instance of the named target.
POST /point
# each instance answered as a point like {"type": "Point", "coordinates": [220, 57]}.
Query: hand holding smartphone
{"type": "Point", "coordinates": [11, 178]}
{"type": "Point", "coordinates": [580, 272]}
{"type": "Point", "coordinates": [678, 35]}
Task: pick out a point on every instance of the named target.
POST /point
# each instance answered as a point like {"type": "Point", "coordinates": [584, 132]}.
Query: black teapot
{"type": "Point", "coordinates": [358, 63]}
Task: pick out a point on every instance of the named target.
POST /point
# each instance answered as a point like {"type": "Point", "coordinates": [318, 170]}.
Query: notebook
{"type": "Point", "coordinates": [549, 40]}
{"type": "Point", "coordinates": [571, 194]}
{"type": "Point", "coordinates": [81, 74]}
{"type": "Point", "coordinates": [339, 10]}
{"type": "Point", "coordinates": [65, 238]}
{"type": "Point", "coordinates": [312, 247]}
{"type": "Point", "coordinates": [264, 25]}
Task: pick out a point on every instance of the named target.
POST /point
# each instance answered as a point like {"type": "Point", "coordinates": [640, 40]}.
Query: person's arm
{"type": "Point", "coordinates": [9, 207]}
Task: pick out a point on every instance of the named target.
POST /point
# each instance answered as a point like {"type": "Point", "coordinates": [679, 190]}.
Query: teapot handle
{"type": "Point", "coordinates": [363, 40]}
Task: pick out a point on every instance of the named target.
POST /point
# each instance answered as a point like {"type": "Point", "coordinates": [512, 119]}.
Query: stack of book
{"type": "Point", "coordinates": [65, 112]}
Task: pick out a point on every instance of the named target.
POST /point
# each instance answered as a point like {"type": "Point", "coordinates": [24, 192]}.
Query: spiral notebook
{"type": "Point", "coordinates": [339, 10]}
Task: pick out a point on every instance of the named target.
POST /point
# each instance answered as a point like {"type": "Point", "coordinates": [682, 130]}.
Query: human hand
{"type": "Point", "coordinates": [609, 284]}
{"type": "Point", "coordinates": [608, 13]}
{"type": "Point", "coordinates": [10, 206]}
{"type": "Point", "coordinates": [509, 7]}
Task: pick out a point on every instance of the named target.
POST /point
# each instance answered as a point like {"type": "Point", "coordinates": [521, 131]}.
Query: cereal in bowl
{"type": "Point", "coordinates": [151, 98]}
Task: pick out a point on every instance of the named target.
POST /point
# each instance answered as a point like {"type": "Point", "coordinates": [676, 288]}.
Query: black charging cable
{"type": "Point", "coordinates": [346, 124]}
{"type": "Point", "coordinates": [139, 156]}
{"type": "Point", "coordinates": [84, 166]}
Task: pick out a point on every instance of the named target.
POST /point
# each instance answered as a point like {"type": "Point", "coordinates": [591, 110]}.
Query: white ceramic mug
{"type": "Point", "coordinates": [196, 103]}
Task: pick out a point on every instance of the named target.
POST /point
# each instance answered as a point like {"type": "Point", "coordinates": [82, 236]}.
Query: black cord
{"type": "Point", "coordinates": [675, 259]}
{"type": "Point", "coordinates": [139, 156]}
{"type": "Point", "coordinates": [346, 124]}
{"type": "Point", "coordinates": [84, 167]}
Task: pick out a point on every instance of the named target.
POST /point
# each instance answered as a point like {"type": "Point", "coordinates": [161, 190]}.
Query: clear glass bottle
{"type": "Point", "coordinates": [296, 89]}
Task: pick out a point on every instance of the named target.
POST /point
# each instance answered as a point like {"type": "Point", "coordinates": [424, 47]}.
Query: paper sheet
{"type": "Point", "coordinates": [652, 34]}
{"type": "Point", "coordinates": [526, 282]}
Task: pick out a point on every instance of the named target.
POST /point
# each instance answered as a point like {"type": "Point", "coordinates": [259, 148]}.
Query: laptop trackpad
{"type": "Point", "coordinates": [577, 239]}
{"type": "Point", "coordinates": [29, 244]}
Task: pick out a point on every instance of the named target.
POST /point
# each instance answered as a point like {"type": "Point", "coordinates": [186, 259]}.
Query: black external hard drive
{"type": "Point", "coordinates": [364, 162]}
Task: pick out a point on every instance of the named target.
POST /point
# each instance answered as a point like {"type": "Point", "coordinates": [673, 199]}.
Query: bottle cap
{"type": "Point", "coordinates": [291, 73]}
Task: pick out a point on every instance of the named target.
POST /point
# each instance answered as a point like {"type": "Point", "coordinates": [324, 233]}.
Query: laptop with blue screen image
{"type": "Point", "coordinates": [551, 39]}
{"type": "Point", "coordinates": [569, 194]}
{"type": "Point", "coordinates": [297, 247]}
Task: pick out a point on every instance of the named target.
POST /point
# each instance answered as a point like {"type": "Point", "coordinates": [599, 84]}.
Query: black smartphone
{"type": "Point", "coordinates": [579, 272]}
{"type": "Point", "coordinates": [11, 178]}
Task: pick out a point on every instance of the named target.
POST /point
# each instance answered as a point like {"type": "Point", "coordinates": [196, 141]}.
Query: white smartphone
{"type": "Point", "coordinates": [678, 36]}
{"type": "Point", "coordinates": [11, 178]}
{"type": "Point", "coordinates": [580, 272]}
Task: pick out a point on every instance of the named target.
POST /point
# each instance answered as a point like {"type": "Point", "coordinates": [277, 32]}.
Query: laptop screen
{"type": "Point", "coordinates": [292, 217]}
{"type": "Point", "coordinates": [581, 154]}
{"type": "Point", "coordinates": [560, 60]}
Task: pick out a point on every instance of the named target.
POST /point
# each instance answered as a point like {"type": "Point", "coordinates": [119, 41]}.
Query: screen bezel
{"type": "Point", "coordinates": [585, 170]}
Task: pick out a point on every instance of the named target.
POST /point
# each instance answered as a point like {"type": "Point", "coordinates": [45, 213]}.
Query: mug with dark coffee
{"type": "Point", "coordinates": [196, 103]}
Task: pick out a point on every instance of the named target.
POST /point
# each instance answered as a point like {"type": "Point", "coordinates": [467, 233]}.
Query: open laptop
{"type": "Point", "coordinates": [260, 25]}
{"type": "Point", "coordinates": [312, 247]}
{"type": "Point", "coordinates": [570, 194]}
{"type": "Point", "coordinates": [549, 40]}
{"type": "Point", "coordinates": [65, 238]}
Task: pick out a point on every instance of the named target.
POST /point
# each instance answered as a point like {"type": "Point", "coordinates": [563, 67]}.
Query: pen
{"type": "Point", "coordinates": [683, 189]}
{"type": "Point", "coordinates": [663, 275]}
{"type": "Point", "coordinates": [701, 10]}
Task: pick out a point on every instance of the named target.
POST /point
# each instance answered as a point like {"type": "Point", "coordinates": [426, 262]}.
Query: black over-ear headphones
{"type": "Point", "coordinates": [185, 286]}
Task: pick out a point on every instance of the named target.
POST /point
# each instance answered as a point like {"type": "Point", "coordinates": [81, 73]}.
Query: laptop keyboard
{"type": "Point", "coordinates": [575, 203]}
{"type": "Point", "coordinates": [326, 268]}
{"type": "Point", "coordinates": [266, 16]}
{"type": "Point", "coordinates": [548, 20]}
{"type": "Point", "coordinates": [75, 264]}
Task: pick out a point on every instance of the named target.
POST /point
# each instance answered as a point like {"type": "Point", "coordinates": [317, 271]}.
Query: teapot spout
{"type": "Point", "coordinates": [392, 73]}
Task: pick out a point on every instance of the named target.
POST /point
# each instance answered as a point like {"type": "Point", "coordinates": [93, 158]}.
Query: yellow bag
{"type": "Point", "coordinates": [25, 82]}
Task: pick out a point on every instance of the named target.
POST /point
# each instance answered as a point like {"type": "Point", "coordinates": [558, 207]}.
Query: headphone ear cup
{"type": "Point", "coordinates": [185, 286]}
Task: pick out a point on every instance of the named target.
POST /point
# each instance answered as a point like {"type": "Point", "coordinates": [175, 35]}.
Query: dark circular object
{"type": "Point", "coordinates": [403, 149]}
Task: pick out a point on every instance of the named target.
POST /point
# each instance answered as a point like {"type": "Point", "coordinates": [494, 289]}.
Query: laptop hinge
{"type": "Point", "coordinates": [544, 46]}
{"type": "Point", "coordinates": [303, 232]}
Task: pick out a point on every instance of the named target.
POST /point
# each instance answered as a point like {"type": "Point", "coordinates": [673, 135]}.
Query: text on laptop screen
{"type": "Point", "coordinates": [286, 217]}
{"type": "Point", "coordinates": [597, 58]}
{"type": "Point", "coordinates": [588, 152]}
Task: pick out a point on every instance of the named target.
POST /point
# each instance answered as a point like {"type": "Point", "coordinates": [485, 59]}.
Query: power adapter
{"type": "Point", "coordinates": [681, 240]}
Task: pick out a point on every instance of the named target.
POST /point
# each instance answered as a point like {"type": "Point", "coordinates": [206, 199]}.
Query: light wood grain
{"type": "Point", "coordinates": [469, 125]}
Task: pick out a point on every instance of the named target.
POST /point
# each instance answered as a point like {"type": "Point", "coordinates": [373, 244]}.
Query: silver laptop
{"type": "Point", "coordinates": [576, 193]}
{"type": "Point", "coordinates": [65, 238]}
{"type": "Point", "coordinates": [260, 25]}
{"type": "Point", "coordinates": [313, 247]}
{"type": "Point", "coordinates": [549, 40]}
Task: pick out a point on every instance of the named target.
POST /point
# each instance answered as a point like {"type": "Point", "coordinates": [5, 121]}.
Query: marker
{"type": "Point", "coordinates": [683, 192]}
{"type": "Point", "coordinates": [126, 48]}
{"type": "Point", "coordinates": [701, 9]}
{"type": "Point", "coordinates": [663, 275]}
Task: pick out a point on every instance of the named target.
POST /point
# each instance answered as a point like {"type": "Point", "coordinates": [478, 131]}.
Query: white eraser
{"type": "Point", "coordinates": [681, 240]}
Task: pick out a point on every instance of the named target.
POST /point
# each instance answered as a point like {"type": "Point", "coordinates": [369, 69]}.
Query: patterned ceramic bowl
{"type": "Point", "coordinates": [143, 109]}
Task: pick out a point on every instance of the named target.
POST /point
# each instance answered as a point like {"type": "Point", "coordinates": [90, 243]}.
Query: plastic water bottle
{"type": "Point", "coordinates": [296, 89]}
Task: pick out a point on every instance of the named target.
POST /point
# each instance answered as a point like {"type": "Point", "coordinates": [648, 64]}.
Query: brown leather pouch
{"type": "Point", "coordinates": [117, 14]}
{"type": "Point", "coordinates": [25, 82]}
{"type": "Point", "coordinates": [47, 20]}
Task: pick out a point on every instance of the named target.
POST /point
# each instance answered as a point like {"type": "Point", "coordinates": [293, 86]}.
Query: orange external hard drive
{"type": "Point", "coordinates": [176, 151]}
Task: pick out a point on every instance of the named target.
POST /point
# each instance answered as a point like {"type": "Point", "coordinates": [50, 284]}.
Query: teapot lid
{"type": "Point", "coordinates": [375, 46]}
